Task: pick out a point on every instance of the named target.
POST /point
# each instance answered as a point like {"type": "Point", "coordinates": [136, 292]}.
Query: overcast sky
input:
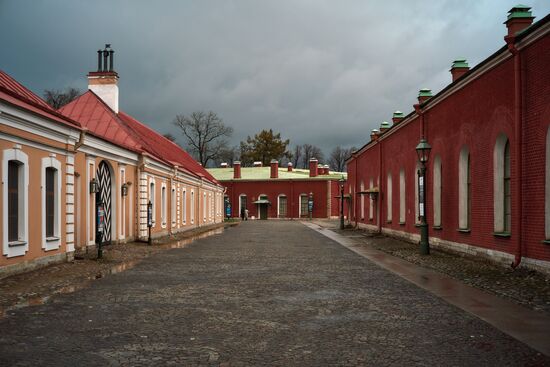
{"type": "Point", "coordinates": [320, 72]}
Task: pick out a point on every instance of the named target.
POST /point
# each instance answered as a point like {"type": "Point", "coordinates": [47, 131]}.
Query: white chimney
{"type": "Point", "coordinates": [103, 82]}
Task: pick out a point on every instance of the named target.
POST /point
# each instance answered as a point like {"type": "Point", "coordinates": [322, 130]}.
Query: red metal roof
{"type": "Point", "coordinates": [16, 94]}
{"type": "Point", "coordinates": [122, 129]}
{"type": "Point", "coordinates": [100, 120]}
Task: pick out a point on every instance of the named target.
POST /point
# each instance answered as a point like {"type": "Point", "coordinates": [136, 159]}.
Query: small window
{"type": "Point", "coordinates": [282, 206]}
{"type": "Point", "coordinates": [464, 190]}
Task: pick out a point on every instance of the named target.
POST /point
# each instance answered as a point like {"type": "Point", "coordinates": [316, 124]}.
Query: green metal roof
{"type": "Point", "coordinates": [425, 92]}
{"type": "Point", "coordinates": [520, 11]}
{"type": "Point", "coordinates": [460, 63]}
{"type": "Point", "coordinates": [264, 173]}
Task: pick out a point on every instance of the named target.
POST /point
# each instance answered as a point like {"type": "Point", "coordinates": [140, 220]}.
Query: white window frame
{"type": "Point", "coordinates": [279, 205]}
{"type": "Point", "coordinates": [184, 206]}
{"type": "Point", "coordinates": [173, 205]}
{"type": "Point", "coordinates": [23, 243]}
{"type": "Point", "coordinates": [362, 201]}
{"type": "Point", "coordinates": [204, 207]}
{"type": "Point", "coordinates": [152, 195]}
{"type": "Point", "coordinates": [437, 184]}
{"type": "Point", "coordinates": [464, 163]}
{"type": "Point", "coordinates": [51, 243]}
{"type": "Point", "coordinates": [371, 202]}
{"type": "Point", "coordinates": [192, 206]}
{"type": "Point", "coordinates": [402, 197]}
{"type": "Point", "coordinates": [389, 202]}
{"type": "Point", "coordinates": [163, 205]}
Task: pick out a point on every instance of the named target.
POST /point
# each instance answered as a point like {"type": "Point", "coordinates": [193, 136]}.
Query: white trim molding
{"type": "Point", "coordinates": [22, 244]}
{"type": "Point", "coordinates": [51, 243]}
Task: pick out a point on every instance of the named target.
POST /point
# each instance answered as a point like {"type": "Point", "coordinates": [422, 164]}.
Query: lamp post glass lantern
{"type": "Point", "coordinates": [423, 152]}
{"type": "Point", "coordinates": [342, 181]}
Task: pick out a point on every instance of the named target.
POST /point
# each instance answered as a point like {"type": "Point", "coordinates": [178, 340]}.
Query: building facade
{"type": "Point", "coordinates": [277, 193]}
{"type": "Point", "coordinates": [488, 174]}
{"type": "Point", "coordinates": [59, 167]}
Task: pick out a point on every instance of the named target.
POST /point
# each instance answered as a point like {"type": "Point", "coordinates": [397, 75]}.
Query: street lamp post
{"type": "Point", "coordinates": [342, 181]}
{"type": "Point", "coordinates": [423, 153]}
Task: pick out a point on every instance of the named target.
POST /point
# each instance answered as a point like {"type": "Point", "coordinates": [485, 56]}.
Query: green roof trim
{"type": "Point", "coordinates": [520, 11]}
{"type": "Point", "coordinates": [264, 174]}
{"type": "Point", "coordinates": [460, 63]}
{"type": "Point", "coordinates": [425, 92]}
{"type": "Point", "coordinates": [398, 115]}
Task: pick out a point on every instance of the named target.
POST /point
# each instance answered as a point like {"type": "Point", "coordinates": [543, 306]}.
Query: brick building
{"type": "Point", "coordinates": [274, 192]}
{"type": "Point", "coordinates": [488, 175]}
{"type": "Point", "coordinates": [57, 165]}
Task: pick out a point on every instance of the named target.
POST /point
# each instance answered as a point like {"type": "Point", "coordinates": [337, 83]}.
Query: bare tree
{"type": "Point", "coordinates": [205, 133]}
{"type": "Point", "coordinates": [227, 155]}
{"type": "Point", "coordinates": [311, 151]}
{"type": "Point", "coordinates": [170, 137]}
{"type": "Point", "coordinates": [296, 155]}
{"type": "Point", "coordinates": [338, 156]}
{"type": "Point", "coordinates": [57, 98]}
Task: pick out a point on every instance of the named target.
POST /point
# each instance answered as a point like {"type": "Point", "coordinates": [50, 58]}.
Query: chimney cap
{"type": "Point", "coordinates": [223, 164]}
{"type": "Point", "coordinates": [385, 125]}
{"type": "Point", "coordinates": [398, 115]}
{"type": "Point", "coordinates": [460, 63]}
{"type": "Point", "coordinates": [374, 131]}
{"type": "Point", "coordinates": [274, 161]}
{"type": "Point", "coordinates": [289, 164]}
{"type": "Point", "coordinates": [425, 92]}
{"type": "Point", "coordinates": [313, 160]}
{"type": "Point", "coordinates": [520, 11]}
{"type": "Point", "coordinates": [237, 162]}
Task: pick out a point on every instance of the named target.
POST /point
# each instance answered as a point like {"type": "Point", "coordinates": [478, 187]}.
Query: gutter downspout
{"type": "Point", "coordinates": [518, 132]}
{"type": "Point", "coordinates": [380, 170]}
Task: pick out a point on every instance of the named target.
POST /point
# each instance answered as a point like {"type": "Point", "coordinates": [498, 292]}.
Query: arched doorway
{"type": "Point", "coordinates": [104, 196]}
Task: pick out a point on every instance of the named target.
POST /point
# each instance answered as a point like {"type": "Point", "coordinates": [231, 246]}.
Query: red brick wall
{"type": "Point", "coordinates": [474, 116]}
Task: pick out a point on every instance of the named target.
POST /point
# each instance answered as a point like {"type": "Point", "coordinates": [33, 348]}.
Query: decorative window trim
{"type": "Point", "coordinates": [20, 247]}
{"type": "Point", "coordinates": [192, 206]}
{"type": "Point", "coordinates": [163, 205]}
{"type": "Point", "coordinates": [173, 211]}
{"type": "Point", "coordinates": [464, 166]}
{"type": "Point", "coordinates": [389, 200]}
{"type": "Point", "coordinates": [152, 195]}
{"type": "Point", "coordinates": [498, 184]}
{"type": "Point", "coordinates": [184, 206]}
{"type": "Point", "coordinates": [53, 242]}
{"type": "Point", "coordinates": [437, 192]}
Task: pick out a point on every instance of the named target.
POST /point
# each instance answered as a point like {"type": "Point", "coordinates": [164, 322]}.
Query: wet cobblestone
{"type": "Point", "coordinates": [263, 293]}
{"type": "Point", "coordinates": [528, 288]}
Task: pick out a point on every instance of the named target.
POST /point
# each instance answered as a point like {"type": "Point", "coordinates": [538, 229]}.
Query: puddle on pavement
{"type": "Point", "coordinates": [115, 269]}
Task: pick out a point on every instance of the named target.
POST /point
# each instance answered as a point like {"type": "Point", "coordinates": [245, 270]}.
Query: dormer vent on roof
{"type": "Point", "coordinates": [103, 82]}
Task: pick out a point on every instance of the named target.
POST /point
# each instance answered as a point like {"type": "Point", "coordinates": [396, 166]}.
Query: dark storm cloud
{"type": "Point", "coordinates": [321, 72]}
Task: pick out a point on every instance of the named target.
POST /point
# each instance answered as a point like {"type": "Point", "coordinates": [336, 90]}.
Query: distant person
{"type": "Point", "coordinates": [246, 214]}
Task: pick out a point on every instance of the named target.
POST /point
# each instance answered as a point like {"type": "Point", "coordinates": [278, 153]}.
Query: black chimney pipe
{"type": "Point", "coordinates": [111, 56]}
{"type": "Point", "coordinates": [98, 60]}
{"type": "Point", "coordinates": [105, 56]}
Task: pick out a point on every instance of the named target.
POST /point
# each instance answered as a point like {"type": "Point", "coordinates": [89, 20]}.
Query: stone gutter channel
{"type": "Point", "coordinates": [528, 326]}
{"type": "Point", "coordinates": [39, 286]}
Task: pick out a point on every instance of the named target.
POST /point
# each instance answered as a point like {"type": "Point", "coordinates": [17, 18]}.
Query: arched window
{"type": "Point", "coordinates": [362, 201]}
{"type": "Point", "coordinates": [464, 190]}
{"type": "Point", "coordinates": [152, 199]}
{"type": "Point", "coordinates": [402, 196]}
{"type": "Point", "coordinates": [371, 202]}
{"type": "Point", "coordinates": [416, 200]}
{"type": "Point", "coordinates": [389, 190]}
{"type": "Point", "coordinates": [437, 191]}
{"type": "Point", "coordinates": [192, 206]}
{"type": "Point", "coordinates": [163, 205]}
{"type": "Point", "coordinates": [204, 207]}
{"type": "Point", "coordinates": [502, 194]}
{"type": "Point", "coordinates": [281, 206]}
{"type": "Point", "coordinates": [173, 205]}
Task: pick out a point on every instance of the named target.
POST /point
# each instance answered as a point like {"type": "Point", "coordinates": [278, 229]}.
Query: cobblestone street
{"type": "Point", "coordinates": [262, 293]}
